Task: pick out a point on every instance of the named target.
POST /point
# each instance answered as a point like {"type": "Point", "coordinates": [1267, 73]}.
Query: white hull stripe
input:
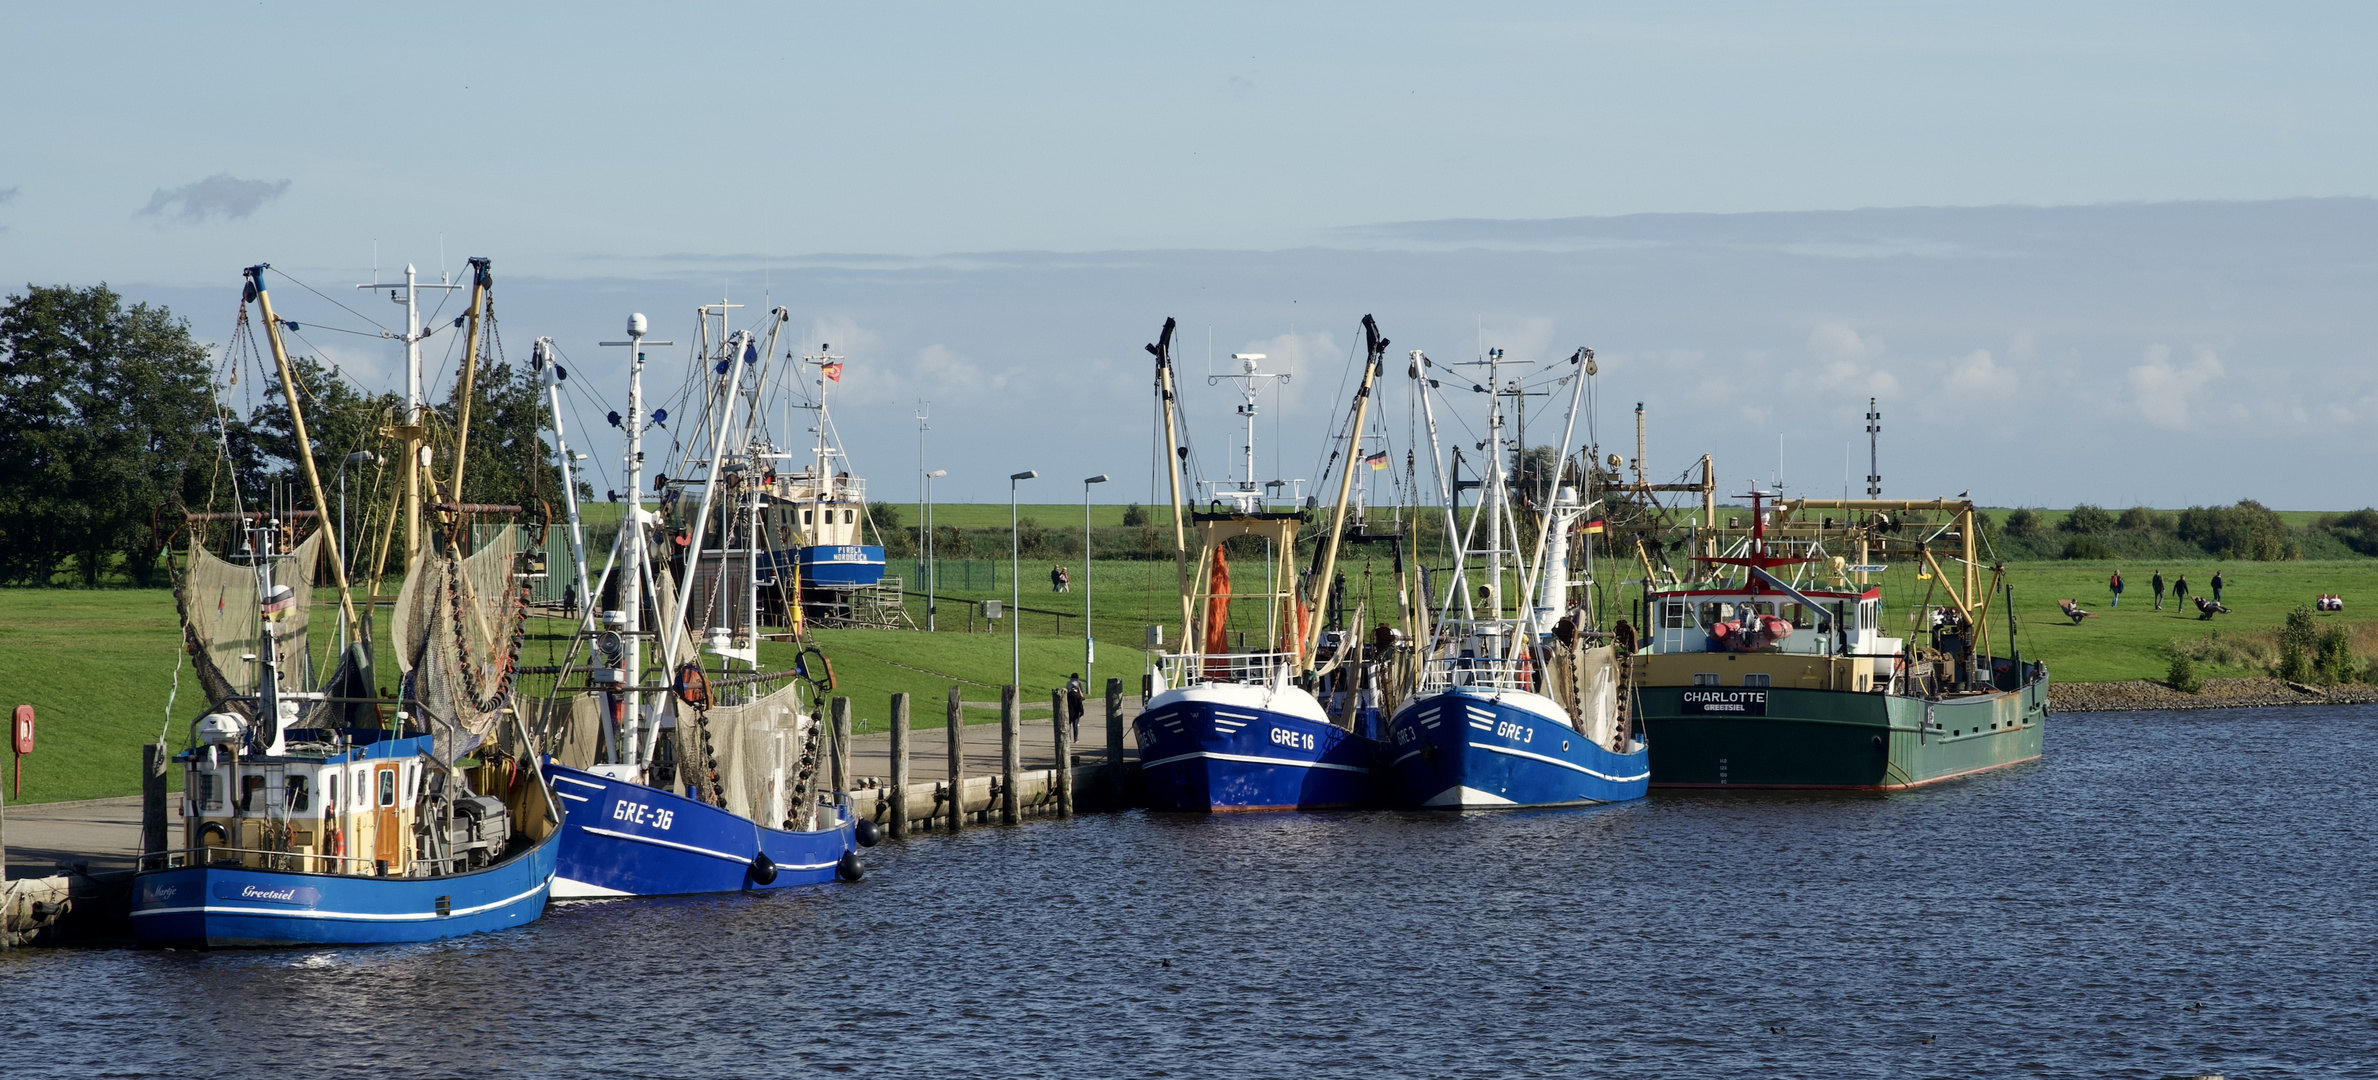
{"type": "Point", "coordinates": [350, 916]}
{"type": "Point", "coordinates": [1254, 760]}
{"type": "Point", "coordinates": [1646, 774]}
{"type": "Point", "coordinates": [1408, 755]}
{"type": "Point", "coordinates": [573, 798]}
{"type": "Point", "coordinates": [573, 889]}
{"type": "Point", "coordinates": [656, 842]}
{"type": "Point", "coordinates": [575, 780]}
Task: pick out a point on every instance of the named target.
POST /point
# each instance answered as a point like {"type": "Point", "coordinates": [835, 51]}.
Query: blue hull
{"type": "Point", "coordinates": [627, 839]}
{"type": "Point", "coordinates": [230, 906]}
{"type": "Point", "coordinates": [840, 567]}
{"type": "Point", "coordinates": [1462, 748]}
{"type": "Point", "coordinates": [1212, 757]}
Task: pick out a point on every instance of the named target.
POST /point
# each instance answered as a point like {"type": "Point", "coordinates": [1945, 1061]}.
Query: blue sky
{"type": "Point", "coordinates": [906, 178]}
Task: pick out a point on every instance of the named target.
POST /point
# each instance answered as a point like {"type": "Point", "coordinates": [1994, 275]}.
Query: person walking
{"type": "Point", "coordinates": [1073, 705]}
{"type": "Point", "coordinates": [2216, 586]}
{"type": "Point", "coordinates": [2115, 583]}
{"type": "Point", "coordinates": [2158, 586]}
{"type": "Point", "coordinates": [1058, 580]}
{"type": "Point", "coordinates": [2180, 592]}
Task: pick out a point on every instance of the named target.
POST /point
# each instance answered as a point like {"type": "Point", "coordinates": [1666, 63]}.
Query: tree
{"type": "Point", "coordinates": [2087, 519]}
{"type": "Point", "coordinates": [2248, 530]}
{"type": "Point", "coordinates": [101, 405]}
{"type": "Point", "coordinates": [1135, 515]}
{"type": "Point", "coordinates": [2023, 523]}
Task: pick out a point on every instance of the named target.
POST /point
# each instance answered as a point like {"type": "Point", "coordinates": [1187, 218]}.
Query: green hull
{"type": "Point", "coordinates": [1839, 739]}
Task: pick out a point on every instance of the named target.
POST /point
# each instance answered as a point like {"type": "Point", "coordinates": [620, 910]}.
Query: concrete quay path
{"type": "Point", "coordinates": [105, 833]}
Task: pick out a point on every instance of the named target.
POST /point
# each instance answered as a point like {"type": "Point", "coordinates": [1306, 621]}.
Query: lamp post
{"type": "Point", "coordinates": [1015, 582]}
{"type": "Point", "coordinates": [1089, 642]}
{"type": "Point", "coordinates": [362, 457]}
{"type": "Point", "coordinates": [932, 572]}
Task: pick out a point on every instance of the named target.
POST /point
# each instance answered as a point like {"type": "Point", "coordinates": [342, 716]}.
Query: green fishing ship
{"type": "Point", "coordinates": [1774, 671]}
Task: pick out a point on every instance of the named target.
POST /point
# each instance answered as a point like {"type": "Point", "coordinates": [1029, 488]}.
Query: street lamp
{"type": "Point", "coordinates": [932, 572]}
{"type": "Point", "coordinates": [346, 561]}
{"type": "Point", "coordinates": [1015, 582]}
{"type": "Point", "coordinates": [1089, 642]}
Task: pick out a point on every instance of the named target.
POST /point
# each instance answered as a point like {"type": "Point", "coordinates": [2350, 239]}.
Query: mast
{"type": "Point", "coordinates": [1490, 501]}
{"type": "Point", "coordinates": [305, 447]}
{"type": "Point", "coordinates": [1337, 526]}
{"type": "Point", "coordinates": [1436, 461]}
{"type": "Point", "coordinates": [1535, 568]}
{"type": "Point", "coordinates": [729, 394]}
{"type": "Point", "coordinates": [632, 571]}
{"type": "Point", "coordinates": [1166, 396]}
{"type": "Point", "coordinates": [481, 281]}
{"type": "Point", "coordinates": [412, 430]}
{"type": "Point", "coordinates": [541, 358]}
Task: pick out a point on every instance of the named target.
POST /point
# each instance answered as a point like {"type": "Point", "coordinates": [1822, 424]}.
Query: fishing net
{"type": "Point", "coordinates": [1584, 679]}
{"type": "Point", "coordinates": [570, 729]}
{"type": "Point", "coordinates": [757, 754]}
{"type": "Point", "coordinates": [223, 620]}
{"type": "Point", "coordinates": [457, 629]}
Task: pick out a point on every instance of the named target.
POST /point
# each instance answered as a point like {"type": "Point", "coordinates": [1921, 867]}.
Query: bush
{"type": "Point", "coordinates": [1135, 515]}
{"type": "Point", "coordinates": [2357, 530]}
{"type": "Point", "coordinates": [2087, 547]}
{"type": "Point", "coordinates": [2086, 519]}
{"type": "Point", "coordinates": [2298, 640]}
{"type": "Point", "coordinates": [2334, 662]}
{"type": "Point", "coordinates": [2248, 530]}
{"type": "Point", "coordinates": [2182, 676]}
{"type": "Point", "coordinates": [2135, 519]}
{"type": "Point", "coordinates": [2023, 524]}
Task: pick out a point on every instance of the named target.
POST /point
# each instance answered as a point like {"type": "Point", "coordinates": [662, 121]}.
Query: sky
{"type": "Point", "coordinates": [2114, 253]}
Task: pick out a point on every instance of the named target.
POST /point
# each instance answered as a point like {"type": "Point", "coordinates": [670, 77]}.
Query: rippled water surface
{"type": "Point", "coordinates": [2163, 895]}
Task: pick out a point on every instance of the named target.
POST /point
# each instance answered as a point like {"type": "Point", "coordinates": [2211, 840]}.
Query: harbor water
{"type": "Point", "coordinates": [2165, 894]}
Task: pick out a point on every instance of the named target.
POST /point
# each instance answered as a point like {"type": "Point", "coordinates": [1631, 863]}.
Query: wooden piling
{"type": "Point", "coordinates": [1064, 745]}
{"type": "Point", "coordinates": [1011, 806]}
{"type": "Point", "coordinates": [1114, 743]}
{"type": "Point", "coordinates": [899, 811]}
{"type": "Point", "coordinates": [152, 799]}
{"type": "Point", "coordinates": [957, 807]}
{"type": "Point", "coordinates": [842, 744]}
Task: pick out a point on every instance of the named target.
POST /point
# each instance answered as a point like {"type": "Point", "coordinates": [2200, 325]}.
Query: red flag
{"type": "Point", "coordinates": [834, 371]}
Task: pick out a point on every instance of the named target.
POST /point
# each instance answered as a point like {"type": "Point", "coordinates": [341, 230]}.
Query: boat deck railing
{"type": "Point", "coordinates": [1184, 669]}
{"type": "Point", "coordinates": [1483, 672]}
{"type": "Point", "coordinates": [296, 861]}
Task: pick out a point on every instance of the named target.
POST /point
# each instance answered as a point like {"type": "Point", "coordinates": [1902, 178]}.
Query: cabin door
{"type": "Point", "coordinates": [386, 836]}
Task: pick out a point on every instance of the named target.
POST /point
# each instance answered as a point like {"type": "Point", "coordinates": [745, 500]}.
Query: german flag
{"type": "Point", "coordinates": [1376, 461]}
{"type": "Point", "coordinates": [1591, 527]}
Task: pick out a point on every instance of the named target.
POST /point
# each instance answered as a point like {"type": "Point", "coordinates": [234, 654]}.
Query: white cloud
{"type": "Point", "coordinates": [1977, 375]}
{"type": "Point", "coordinates": [2163, 391]}
{"type": "Point", "coordinates": [1847, 362]}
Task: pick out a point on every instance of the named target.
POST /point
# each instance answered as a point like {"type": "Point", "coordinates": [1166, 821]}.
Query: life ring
{"type": "Point", "coordinates": [763, 869]}
{"type": "Point", "coordinates": [213, 834]}
{"type": "Point", "coordinates": [334, 843]}
{"type": "Point", "coordinates": [691, 686]}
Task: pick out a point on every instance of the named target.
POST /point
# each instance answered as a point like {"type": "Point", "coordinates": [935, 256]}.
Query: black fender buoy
{"type": "Point", "coordinates": [869, 833]}
{"type": "Point", "coordinates": [212, 834]}
{"type": "Point", "coordinates": [763, 869]}
{"type": "Point", "coordinates": [849, 869]}
{"type": "Point", "coordinates": [1878, 742]}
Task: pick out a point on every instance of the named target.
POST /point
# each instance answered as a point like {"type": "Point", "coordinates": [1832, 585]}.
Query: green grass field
{"type": "Point", "coordinates": [98, 664]}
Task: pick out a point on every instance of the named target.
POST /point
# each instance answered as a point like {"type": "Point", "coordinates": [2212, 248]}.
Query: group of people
{"type": "Point", "coordinates": [2179, 590]}
{"type": "Point", "coordinates": [2328, 602]}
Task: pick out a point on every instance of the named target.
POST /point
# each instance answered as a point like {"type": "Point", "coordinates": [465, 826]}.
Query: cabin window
{"type": "Point", "coordinates": [248, 787]}
{"type": "Point", "coordinates": [209, 796]}
{"type": "Point", "coordinates": [1757, 680]}
{"type": "Point", "coordinates": [849, 516]}
{"type": "Point", "coordinates": [1706, 678]}
{"type": "Point", "coordinates": [1675, 615]}
{"type": "Point", "coordinates": [330, 801]}
{"type": "Point", "coordinates": [808, 517]}
{"type": "Point", "coordinates": [388, 787]}
{"type": "Point", "coordinates": [295, 794]}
